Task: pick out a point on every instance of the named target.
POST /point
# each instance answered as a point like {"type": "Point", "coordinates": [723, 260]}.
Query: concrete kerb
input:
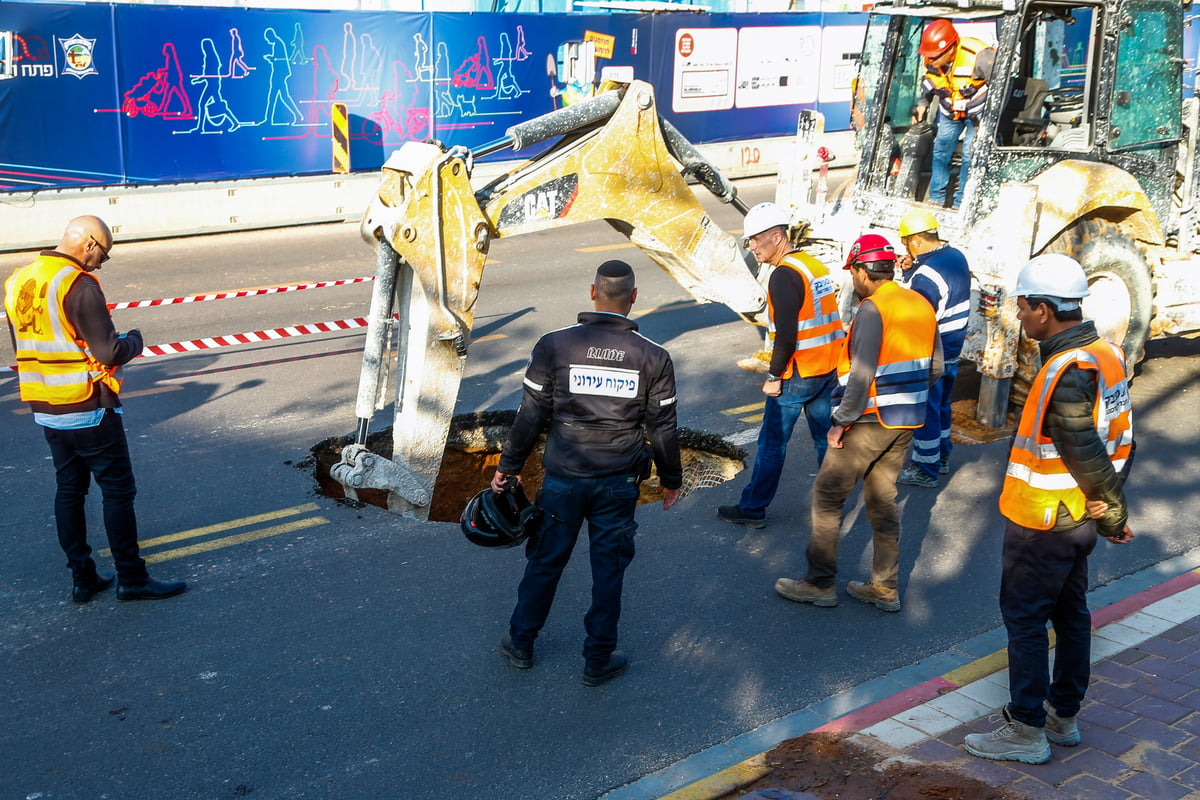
{"type": "Point", "coordinates": [930, 697]}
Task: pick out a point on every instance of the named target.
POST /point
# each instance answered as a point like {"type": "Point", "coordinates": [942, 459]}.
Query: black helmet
{"type": "Point", "coordinates": [503, 519]}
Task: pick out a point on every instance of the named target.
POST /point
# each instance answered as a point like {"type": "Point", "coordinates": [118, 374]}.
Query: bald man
{"type": "Point", "coordinates": [68, 360]}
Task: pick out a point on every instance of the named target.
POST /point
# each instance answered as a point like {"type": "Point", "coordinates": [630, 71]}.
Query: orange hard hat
{"type": "Point", "coordinates": [938, 36]}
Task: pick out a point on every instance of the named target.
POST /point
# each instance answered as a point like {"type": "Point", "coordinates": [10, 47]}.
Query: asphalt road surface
{"type": "Point", "coordinates": [329, 651]}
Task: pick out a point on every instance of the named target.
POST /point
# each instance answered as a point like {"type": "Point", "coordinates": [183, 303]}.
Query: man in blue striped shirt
{"type": "Point", "coordinates": [939, 273]}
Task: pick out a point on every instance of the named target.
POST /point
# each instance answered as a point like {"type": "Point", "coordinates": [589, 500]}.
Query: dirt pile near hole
{"type": "Point", "coordinates": [841, 766]}
{"type": "Point", "coordinates": [473, 451]}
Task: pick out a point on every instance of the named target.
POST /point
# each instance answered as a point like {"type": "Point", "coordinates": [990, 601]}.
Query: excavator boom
{"type": "Point", "coordinates": [615, 160]}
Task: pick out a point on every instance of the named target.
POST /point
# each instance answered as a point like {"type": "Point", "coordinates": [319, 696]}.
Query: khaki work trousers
{"type": "Point", "coordinates": [874, 455]}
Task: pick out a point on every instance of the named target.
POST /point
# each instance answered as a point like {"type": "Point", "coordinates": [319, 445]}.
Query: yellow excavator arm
{"type": "Point", "coordinates": [616, 160]}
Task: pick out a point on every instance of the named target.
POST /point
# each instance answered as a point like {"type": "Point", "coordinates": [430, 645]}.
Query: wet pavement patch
{"type": "Point", "coordinates": [473, 450]}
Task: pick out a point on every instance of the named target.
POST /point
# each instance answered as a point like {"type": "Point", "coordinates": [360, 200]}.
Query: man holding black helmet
{"type": "Point", "coordinates": [598, 389]}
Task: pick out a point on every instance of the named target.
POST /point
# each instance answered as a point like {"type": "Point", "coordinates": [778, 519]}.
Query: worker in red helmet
{"type": "Point", "coordinates": [957, 71]}
{"type": "Point", "coordinates": [893, 355]}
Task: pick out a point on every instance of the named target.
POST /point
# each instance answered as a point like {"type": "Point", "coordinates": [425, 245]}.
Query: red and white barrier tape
{"type": "Point", "coordinates": [271, 334]}
{"type": "Point", "coordinates": [229, 340]}
{"type": "Point", "coordinates": [200, 298]}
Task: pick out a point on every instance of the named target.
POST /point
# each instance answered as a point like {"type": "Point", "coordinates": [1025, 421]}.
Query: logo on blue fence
{"type": "Point", "coordinates": [77, 56]}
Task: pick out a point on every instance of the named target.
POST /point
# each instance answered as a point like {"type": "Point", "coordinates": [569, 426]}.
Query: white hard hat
{"type": "Point", "coordinates": [1056, 276]}
{"type": "Point", "coordinates": [763, 217]}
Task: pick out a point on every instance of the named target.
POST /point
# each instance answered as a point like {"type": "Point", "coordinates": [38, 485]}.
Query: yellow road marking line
{"type": "Point", "coordinates": [241, 538]}
{"type": "Point", "coordinates": [224, 526]}
{"type": "Point", "coordinates": [751, 418]}
{"type": "Point", "coordinates": [138, 393]}
{"type": "Point", "coordinates": [733, 412]}
{"type": "Point", "coordinates": [491, 337]}
{"type": "Point", "coordinates": [600, 248]}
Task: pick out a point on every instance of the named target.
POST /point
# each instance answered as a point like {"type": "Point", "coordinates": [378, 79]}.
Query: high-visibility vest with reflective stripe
{"type": "Point", "coordinates": [901, 386]}
{"type": "Point", "coordinates": [819, 333]}
{"type": "Point", "coordinates": [960, 74]}
{"type": "Point", "coordinates": [53, 362]}
{"type": "Point", "coordinates": [1037, 479]}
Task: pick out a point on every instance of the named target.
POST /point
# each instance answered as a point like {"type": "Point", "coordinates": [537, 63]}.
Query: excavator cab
{"type": "Point", "coordinates": [1085, 146]}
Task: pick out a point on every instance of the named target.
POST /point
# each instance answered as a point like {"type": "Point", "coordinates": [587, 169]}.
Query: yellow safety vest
{"type": "Point", "coordinates": [819, 334]}
{"type": "Point", "coordinates": [1037, 479]}
{"type": "Point", "coordinates": [54, 364]}
{"type": "Point", "coordinates": [960, 74]}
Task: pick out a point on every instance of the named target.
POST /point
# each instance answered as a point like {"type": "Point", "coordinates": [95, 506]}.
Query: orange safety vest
{"type": "Point", "coordinates": [901, 386]}
{"type": "Point", "coordinates": [960, 74]}
{"type": "Point", "coordinates": [1037, 480]}
{"type": "Point", "coordinates": [819, 334]}
{"type": "Point", "coordinates": [54, 364]}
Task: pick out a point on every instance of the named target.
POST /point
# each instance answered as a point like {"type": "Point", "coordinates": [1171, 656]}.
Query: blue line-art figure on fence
{"type": "Point", "coordinates": [299, 55]}
{"type": "Point", "coordinates": [370, 69]}
{"type": "Point", "coordinates": [212, 110]}
{"type": "Point", "coordinates": [278, 94]}
{"type": "Point", "coordinates": [507, 87]}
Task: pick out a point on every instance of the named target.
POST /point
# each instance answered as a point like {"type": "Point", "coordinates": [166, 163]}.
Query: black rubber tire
{"type": "Point", "coordinates": [1108, 255]}
{"type": "Point", "coordinates": [1117, 269]}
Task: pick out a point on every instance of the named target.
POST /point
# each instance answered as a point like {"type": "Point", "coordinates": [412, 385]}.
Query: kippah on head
{"type": "Point", "coordinates": [614, 269]}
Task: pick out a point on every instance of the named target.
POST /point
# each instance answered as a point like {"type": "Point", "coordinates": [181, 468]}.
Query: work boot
{"type": "Point", "coordinates": [1060, 730]}
{"type": "Point", "coordinates": [601, 673]}
{"type": "Point", "coordinates": [805, 592]}
{"type": "Point", "coordinates": [883, 598]}
{"type": "Point", "coordinates": [914, 476]}
{"type": "Point", "coordinates": [944, 465]}
{"type": "Point", "coordinates": [735, 515]}
{"type": "Point", "coordinates": [1012, 741]}
{"type": "Point", "coordinates": [519, 657]}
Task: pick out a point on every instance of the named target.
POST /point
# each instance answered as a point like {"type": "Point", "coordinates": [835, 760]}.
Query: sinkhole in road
{"type": "Point", "coordinates": [473, 450]}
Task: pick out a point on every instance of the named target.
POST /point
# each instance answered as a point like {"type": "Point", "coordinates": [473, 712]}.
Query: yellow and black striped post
{"type": "Point", "coordinates": [341, 138]}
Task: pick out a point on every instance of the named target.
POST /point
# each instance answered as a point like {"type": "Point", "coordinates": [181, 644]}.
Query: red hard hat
{"type": "Point", "coordinates": [938, 36]}
{"type": "Point", "coordinates": [870, 247]}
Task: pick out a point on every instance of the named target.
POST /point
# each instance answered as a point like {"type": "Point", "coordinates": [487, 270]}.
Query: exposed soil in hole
{"type": "Point", "coordinates": [473, 450]}
{"type": "Point", "coordinates": [841, 766]}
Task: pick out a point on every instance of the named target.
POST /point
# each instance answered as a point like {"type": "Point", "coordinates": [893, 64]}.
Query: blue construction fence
{"type": "Point", "coordinates": [97, 94]}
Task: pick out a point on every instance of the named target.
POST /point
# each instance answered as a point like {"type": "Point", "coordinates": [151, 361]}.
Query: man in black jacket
{"type": "Point", "coordinates": [1063, 486]}
{"type": "Point", "coordinates": [598, 389]}
{"type": "Point", "coordinates": [68, 359]}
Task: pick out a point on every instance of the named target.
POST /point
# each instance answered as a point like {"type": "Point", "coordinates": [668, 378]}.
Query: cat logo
{"type": "Point", "coordinates": [548, 201]}
{"type": "Point", "coordinates": [77, 56]}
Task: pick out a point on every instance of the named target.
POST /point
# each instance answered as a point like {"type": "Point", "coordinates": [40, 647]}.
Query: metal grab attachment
{"type": "Point", "coordinates": [362, 469]}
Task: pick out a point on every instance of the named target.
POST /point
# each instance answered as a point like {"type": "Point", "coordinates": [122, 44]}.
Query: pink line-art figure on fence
{"type": "Point", "coordinates": [213, 111]}
{"type": "Point", "coordinates": [399, 118]}
{"type": "Point", "coordinates": [160, 92]}
{"type": "Point", "coordinates": [238, 68]}
{"type": "Point", "coordinates": [449, 102]}
{"type": "Point", "coordinates": [278, 93]}
{"type": "Point", "coordinates": [476, 71]}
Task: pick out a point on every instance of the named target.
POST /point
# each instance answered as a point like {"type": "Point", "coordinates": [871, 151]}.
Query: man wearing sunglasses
{"type": "Point", "coordinates": [68, 360]}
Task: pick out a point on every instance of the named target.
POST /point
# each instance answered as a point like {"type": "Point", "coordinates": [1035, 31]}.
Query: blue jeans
{"type": "Point", "coordinates": [944, 142]}
{"type": "Point", "coordinates": [812, 396]}
{"type": "Point", "coordinates": [1045, 579]}
{"type": "Point", "coordinates": [101, 452]}
{"type": "Point", "coordinates": [608, 505]}
{"type": "Point", "coordinates": [931, 442]}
